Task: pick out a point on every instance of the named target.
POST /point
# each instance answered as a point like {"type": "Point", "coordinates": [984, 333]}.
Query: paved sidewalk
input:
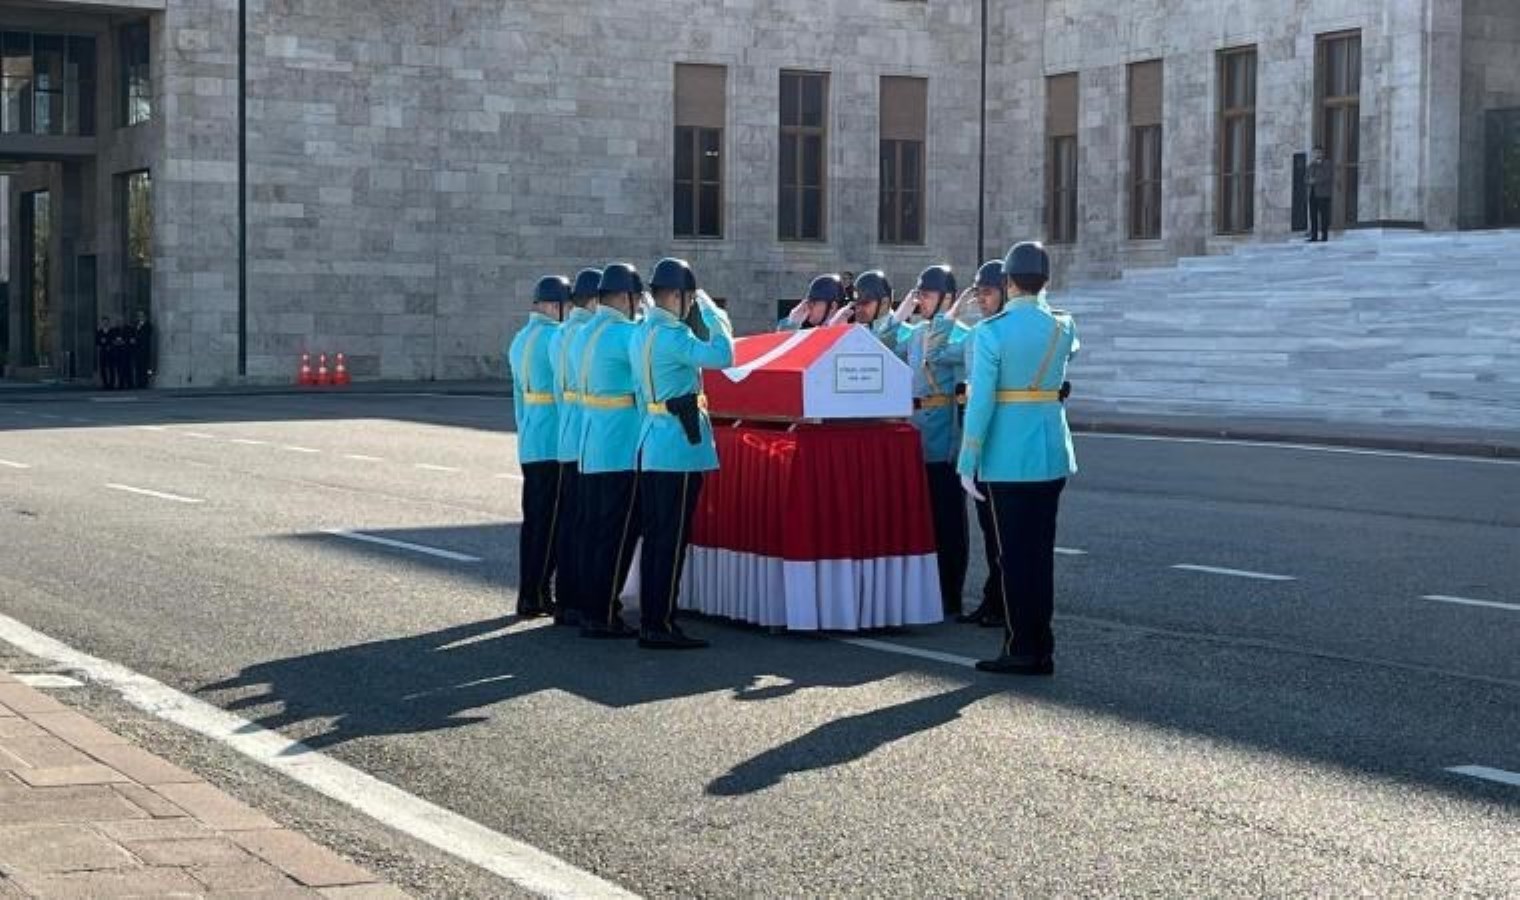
{"type": "Point", "coordinates": [85, 813]}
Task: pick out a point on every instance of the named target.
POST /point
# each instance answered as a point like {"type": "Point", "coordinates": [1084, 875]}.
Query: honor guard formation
{"type": "Point", "coordinates": [614, 436]}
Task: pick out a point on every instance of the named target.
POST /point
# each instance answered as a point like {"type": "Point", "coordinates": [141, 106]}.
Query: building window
{"type": "Point", "coordinates": [904, 115]}
{"type": "Point", "coordinates": [1236, 203]}
{"type": "Point", "coordinates": [1145, 107]}
{"type": "Point", "coordinates": [800, 208]}
{"type": "Point", "coordinates": [1338, 85]}
{"type": "Point", "coordinates": [36, 278]}
{"type": "Point", "coordinates": [1061, 105]}
{"type": "Point", "coordinates": [136, 75]}
{"type": "Point", "coordinates": [137, 239]}
{"type": "Point", "coordinates": [700, 109]}
{"type": "Point", "coordinates": [47, 84]}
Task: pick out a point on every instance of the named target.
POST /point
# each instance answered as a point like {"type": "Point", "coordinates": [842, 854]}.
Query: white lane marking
{"type": "Point", "coordinates": [360, 457]}
{"type": "Point", "coordinates": [50, 416]}
{"type": "Point", "coordinates": [294, 449]}
{"type": "Point", "coordinates": [1488, 774]}
{"type": "Point", "coordinates": [904, 650]}
{"type": "Point", "coordinates": [151, 428]}
{"type": "Point", "coordinates": [1233, 573]}
{"type": "Point", "coordinates": [249, 442]}
{"type": "Point", "coordinates": [199, 435]}
{"type": "Point", "coordinates": [520, 863]}
{"type": "Point", "coordinates": [114, 399]}
{"type": "Point", "coordinates": [47, 680]}
{"type": "Point", "coordinates": [401, 545]}
{"type": "Point", "coordinates": [1308, 448]}
{"type": "Point", "coordinates": [1468, 601]}
{"type": "Point", "coordinates": [80, 420]}
{"type": "Point", "coordinates": [176, 498]}
{"type": "Point", "coordinates": [13, 465]}
{"type": "Point", "coordinates": [429, 467]}
{"type": "Point", "coordinates": [510, 476]}
{"type": "Point", "coordinates": [1070, 551]}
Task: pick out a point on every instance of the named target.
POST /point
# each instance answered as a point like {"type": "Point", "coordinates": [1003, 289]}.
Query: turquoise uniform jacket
{"type": "Point", "coordinates": [1008, 436]}
{"type": "Point", "coordinates": [564, 380]}
{"type": "Point", "coordinates": [936, 352]}
{"type": "Point", "coordinates": [610, 414]}
{"type": "Point", "coordinates": [533, 390]}
{"type": "Point", "coordinates": [669, 360]}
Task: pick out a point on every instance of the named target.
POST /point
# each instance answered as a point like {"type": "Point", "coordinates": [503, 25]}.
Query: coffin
{"type": "Point", "coordinates": [842, 372]}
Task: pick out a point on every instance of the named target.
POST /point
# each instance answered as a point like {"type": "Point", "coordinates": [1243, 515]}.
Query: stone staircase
{"type": "Point", "coordinates": [1383, 327]}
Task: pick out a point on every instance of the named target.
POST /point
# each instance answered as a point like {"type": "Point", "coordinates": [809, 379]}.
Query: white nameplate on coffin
{"type": "Point", "coordinates": [860, 373]}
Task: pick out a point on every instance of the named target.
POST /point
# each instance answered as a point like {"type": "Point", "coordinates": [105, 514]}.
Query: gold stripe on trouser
{"type": "Point", "coordinates": [675, 563]}
{"type": "Point", "coordinates": [1028, 396]}
{"type": "Point", "coordinates": [997, 535]}
{"type": "Point", "coordinates": [622, 552]}
{"type": "Point", "coordinates": [543, 578]}
{"type": "Point", "coordinates": [536, 398]}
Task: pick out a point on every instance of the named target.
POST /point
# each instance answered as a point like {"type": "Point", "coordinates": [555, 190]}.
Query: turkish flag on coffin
{"type": "Point", "coordinates": [841, 372]}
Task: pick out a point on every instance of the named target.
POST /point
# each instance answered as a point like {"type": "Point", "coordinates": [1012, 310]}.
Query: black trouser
{"type": "Point", "coordinates": [568, 531]}
{"type": "Point", "coordinates": [1319, 218]}
{"type": "Point", "coordinates": [106, 363]}
{"type": "Point", "coordinates": [992, 588]}
{"type": "Point", "coordinates": [124, 369]}
{"type": "Point", "coordinates": [140, 370]}
{"type": "Point", "coordinates": [536, 558]}
{"type": "Point", "coordinates": [610, 519]}
{"type": "Point", "coordinates": [1024, 522]}
{"type": "Point", "coordinates": [667, 501]}
{"type": "Point", "coordinates": [952, 528]}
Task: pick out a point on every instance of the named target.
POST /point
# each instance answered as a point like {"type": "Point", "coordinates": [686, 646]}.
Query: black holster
{"type": "Point", "coordinates": [1065, 390]}
{"type": "Point", "coordinates": [685, 409]}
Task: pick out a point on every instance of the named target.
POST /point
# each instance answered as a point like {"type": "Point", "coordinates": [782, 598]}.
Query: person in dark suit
{"type": "Point", "coordinates": [142, 350]}
{"type": "Point", "coordinates": [120, 354]}
{"type": "Point", "coordinates": [104, 364]}
{"type": "Point", "coordinates": [1320, 178]}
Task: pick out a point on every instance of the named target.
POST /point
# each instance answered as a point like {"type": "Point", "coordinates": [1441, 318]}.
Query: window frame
{"type": "Point", "coordinates": [134, 109]}
{"type": "Point", "coordinates": [1344, 109]}
{"type": "Point", "coordinates": [798, 134]}
{"type": "Point", "coordinates": [1236, 122]}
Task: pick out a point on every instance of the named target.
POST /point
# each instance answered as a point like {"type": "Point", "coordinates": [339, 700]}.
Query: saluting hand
{"type": "Point", "coordinates": [843, 316]}
{"type": "Point", "coordinates": [906, 308]}
{"type": "Point", "coordinates": [798, 315]}
{"type": "Point", "coordinates": [959, 307]}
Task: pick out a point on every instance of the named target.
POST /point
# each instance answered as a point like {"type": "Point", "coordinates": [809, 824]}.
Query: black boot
{"type": "Point", "coordinates": [674, 639]}
{"type": "Point", "coordinates": [1019, 664]}
{"type": "Point", "coordinates": [617, 630]}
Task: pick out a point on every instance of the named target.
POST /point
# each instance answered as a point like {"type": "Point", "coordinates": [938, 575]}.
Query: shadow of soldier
{"type": "Point", "coordinates": [842, 741]}
{"type": "Point", "coordinates": [450, 678]}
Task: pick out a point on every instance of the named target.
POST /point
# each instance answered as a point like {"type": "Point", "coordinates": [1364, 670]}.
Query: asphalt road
{"type": "Point", "coordinates": [1208, 732]}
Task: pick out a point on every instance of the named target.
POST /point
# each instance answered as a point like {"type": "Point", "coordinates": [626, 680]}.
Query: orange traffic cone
{"type": "Point", "coordinates": [340, 373]}
{"type": "Point", "coordinates": [304, 378]}
{"type": "Point", "coordinates": [323, 377]}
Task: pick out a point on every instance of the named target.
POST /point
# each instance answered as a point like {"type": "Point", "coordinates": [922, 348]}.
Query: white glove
{"type": "Point", "coordinates": [646, 302]}
{"type": "Point", "coordinates": [705, 301]}
{"type": "Point", "coordinates": [968, 295]}
{"type": "Point", "coordinates": [843, 316]}
{"type": "Point", "coordinates": [906, 308]}
{"type": "Point", "coordinates": [968, 484]}
{"type": "Point", "coordinates": [798, 315]}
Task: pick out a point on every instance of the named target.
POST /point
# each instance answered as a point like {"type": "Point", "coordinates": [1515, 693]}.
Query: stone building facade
{"type": "Point", "coordinates": [408, 169]}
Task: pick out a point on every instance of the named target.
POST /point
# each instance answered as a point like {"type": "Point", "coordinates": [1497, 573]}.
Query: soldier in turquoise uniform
{"type": "Point", "coordinates": [823, 299]}
{"type": "Point", "coordinates": [1017, 448]}
{"type": "Point", "coordinates": [675, 444]}
{"type": "Point", "coordinates": [871, 308]}
{"type": "Point", "coordinates": [569, 526]}
{"type": "Point", "coordinates": [528, 358]}
{"type": "Point", "coordinates": [990, 293]}
{"type": "Point", "coordinates": [934, 348]}
{"type": "Point", "coordinates": [610, 423]}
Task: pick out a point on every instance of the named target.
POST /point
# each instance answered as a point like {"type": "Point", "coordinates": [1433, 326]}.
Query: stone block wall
{"type": "Point", "coordinates": [1490, 81]}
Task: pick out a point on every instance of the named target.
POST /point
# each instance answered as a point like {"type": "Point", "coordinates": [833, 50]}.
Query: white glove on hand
{"type": "Point", "coordinates": [798, 315]}
{"type": "Point", "coordinates": [843, 316]}
{"type": "Point", "coordinates": [705, 301]}
{"type": "Point", "coordinates": [968, 484]}
{"type": "Point", "coordinates": [906, 308]}
{"type": "Point", "coordinates": [966, 297]}
{"type": "Point", "coordinates": [646, 302]}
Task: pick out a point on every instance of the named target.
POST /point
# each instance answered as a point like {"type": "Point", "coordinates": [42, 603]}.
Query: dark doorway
{"type": "Point", "coordinates": [34, 296]}
{"type": "Point", "coordinates": [1503, 129]}
{"type": "Point", "coordinates": [1338, 85]}
{"type": "Point", "coordinates": [83, 313]}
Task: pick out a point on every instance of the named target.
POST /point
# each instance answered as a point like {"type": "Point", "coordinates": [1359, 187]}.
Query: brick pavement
{"type": "Point", "coordinates": [85, 813]}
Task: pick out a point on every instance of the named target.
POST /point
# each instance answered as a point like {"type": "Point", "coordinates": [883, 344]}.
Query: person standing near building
{"type": "Point", "coordinates": [1321, 180]}
{"type": "Point", "coordinates": [142, 351]}
{"type": "Point", "coordinates": [568, 528]}
{"type": "Point", "coordinates": [1017, 447]}
{"type": "Point", "coordinates": [610, 421]}
{"type": "Point", "coordinates": [533, 404]}
{"type": "Point", "coordinates": [824, 297]}
{"type": "Point", "coordinates": [675, 445]}
{"type": "Point", "coordinates": [104, 364]}
{"type": "Point", "coordinates": [120, 355]}
{"type": "Point", "coordinates": [934, 348]}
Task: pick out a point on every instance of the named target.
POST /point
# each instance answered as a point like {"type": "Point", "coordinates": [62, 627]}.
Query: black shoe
{"type": "Point", "coordinates": [533, 612]}
{"type": "Point", "coordinates": [616, 631]}
{"type": "Point", "coordinates": [1019, 664]}
{"type": "Point", "coordinates": [569, 618]}
{"type": "Point", "coordinates": [669, 640]}
{"type": "Point", "coordinates": [975, 616]}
